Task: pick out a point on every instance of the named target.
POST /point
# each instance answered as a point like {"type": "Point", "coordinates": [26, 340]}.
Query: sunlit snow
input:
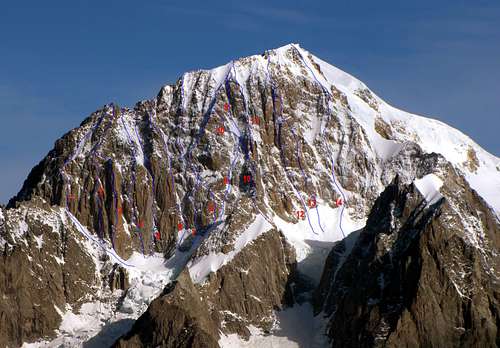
{"type": "Point", "coordinates": [429, 187]}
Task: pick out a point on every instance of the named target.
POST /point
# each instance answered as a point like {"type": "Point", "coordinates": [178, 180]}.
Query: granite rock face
{"type": "Point", "coordinates": [43, 269]}
{"type": "Point", "coordinates": [216, 175]}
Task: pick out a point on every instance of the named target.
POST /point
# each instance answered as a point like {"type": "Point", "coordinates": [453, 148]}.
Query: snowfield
{"type": "Point", "coordinates": [294, 327]}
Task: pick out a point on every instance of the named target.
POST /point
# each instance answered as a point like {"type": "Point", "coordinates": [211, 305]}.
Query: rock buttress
{"type": "Point", "coordinates": [244, 292]}
{"type": "Point", "coordinates": [413, 278]}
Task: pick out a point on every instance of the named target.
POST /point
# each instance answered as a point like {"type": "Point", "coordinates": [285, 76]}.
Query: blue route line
{"type": "Point", "coordinates": [100, 243]}
{"type": "Point", "coordinates": [134, 155]}
{"type": "Point", "coordinates": [165, 148]}
{"type": "Point", "coordinates": [249, 139]}
{"type": "Point", "coordinates": [328, 94]}
{"type": "Point", "coordinates": [228, 186]}
{"type": "Point", "coordinates": [244, 138]}
{"type": "Point", "coordinates": [94, 153]}
{"type": "Point", "coordinates": [153, 127]}
{"type": "Point", "coordinates": [115, 203]}
{"type": "Point", "coordinates": [87, 136]}
{"type": "Point", "coordinates": [279, 120]}
{"type": "Point", "coordinates": [188, 156]}
{"type": "Point", "coordinates": [188, 153]}
{"type": "Point", "coordinates": [99, 201]}
{"type": "Point", "coordinates": [82, 142]}
{"type": "Point", "coordinates": [305, 181]}
{"type": "Point", "coordinates": [182, 96]}
{"type": "Point", "coordinates": [242, 141]}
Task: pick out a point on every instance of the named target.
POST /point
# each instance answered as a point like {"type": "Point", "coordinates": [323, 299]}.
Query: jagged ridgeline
{"type": "Point", "coordinates": [231, 187]}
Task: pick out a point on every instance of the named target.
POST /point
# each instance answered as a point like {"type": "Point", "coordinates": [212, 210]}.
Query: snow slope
{"type": "Point", "coordinates": [290, 330]}
{"type": "Point", "coordinates": [432, 135]}
{"type": "Point", "coordinates": [201, 267]}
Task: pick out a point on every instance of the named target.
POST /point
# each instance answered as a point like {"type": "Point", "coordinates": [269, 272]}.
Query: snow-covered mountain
{"type": "Point", "coordinates": [228, 191]}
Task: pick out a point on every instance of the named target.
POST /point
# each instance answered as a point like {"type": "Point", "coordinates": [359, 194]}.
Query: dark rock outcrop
{"type": "Point", "coordinates": [118, 278]}
{"type": "Point", "coordinates": [243, 292]}
{"type": "Point", "coordinates": [178, 318]}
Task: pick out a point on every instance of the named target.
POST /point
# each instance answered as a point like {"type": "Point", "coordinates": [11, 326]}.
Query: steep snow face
{"type": "Point", "coordinates": [293, 327]}
{"type": "Point", "coordinates": [481, 169]}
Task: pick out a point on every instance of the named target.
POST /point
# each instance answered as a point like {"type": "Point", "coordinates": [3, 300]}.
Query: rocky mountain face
{"type": "Point", "coordinates": [45, 268]}
{"type": "Point", "coordinates": [220, 187]}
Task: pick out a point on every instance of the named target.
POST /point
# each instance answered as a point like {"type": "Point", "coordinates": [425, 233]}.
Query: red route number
{"type": "Point", "coordinates": [301, 215]}
{"type": "Point", "coordinates": [255, 120]}
{"type": "Point", "coordinates": [311, 203]}
{"type": "Point", "coordinates": [157, 235]}
{"type": "Point", "coordinates": [179, 226]}
{"type": "Point", "coordinates": [226, 107]}
{"type": "Point", "coordinates": [220, 130]}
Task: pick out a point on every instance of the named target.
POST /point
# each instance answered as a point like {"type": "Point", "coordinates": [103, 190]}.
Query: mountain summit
{"type": "Point", "coordinates": [275, 199]}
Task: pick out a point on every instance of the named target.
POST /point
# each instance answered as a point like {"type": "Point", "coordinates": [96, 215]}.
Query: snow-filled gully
{"type": "Point", "coordinates": [279, 121]}
{"type": "Point", "coordinates": [312, 236]}
{"type": "Point", "coordinates": [132, 143]}
{"type": "Point", "coordinates": [98, 192]}
{"type": "Point", "coordinates": [329, 97]}
{"type": "Point", "coordinates": [242, 139]}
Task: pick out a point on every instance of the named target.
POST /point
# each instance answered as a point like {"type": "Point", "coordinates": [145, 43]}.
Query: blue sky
{"type": "Point", "coordinates": [61, 60]}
